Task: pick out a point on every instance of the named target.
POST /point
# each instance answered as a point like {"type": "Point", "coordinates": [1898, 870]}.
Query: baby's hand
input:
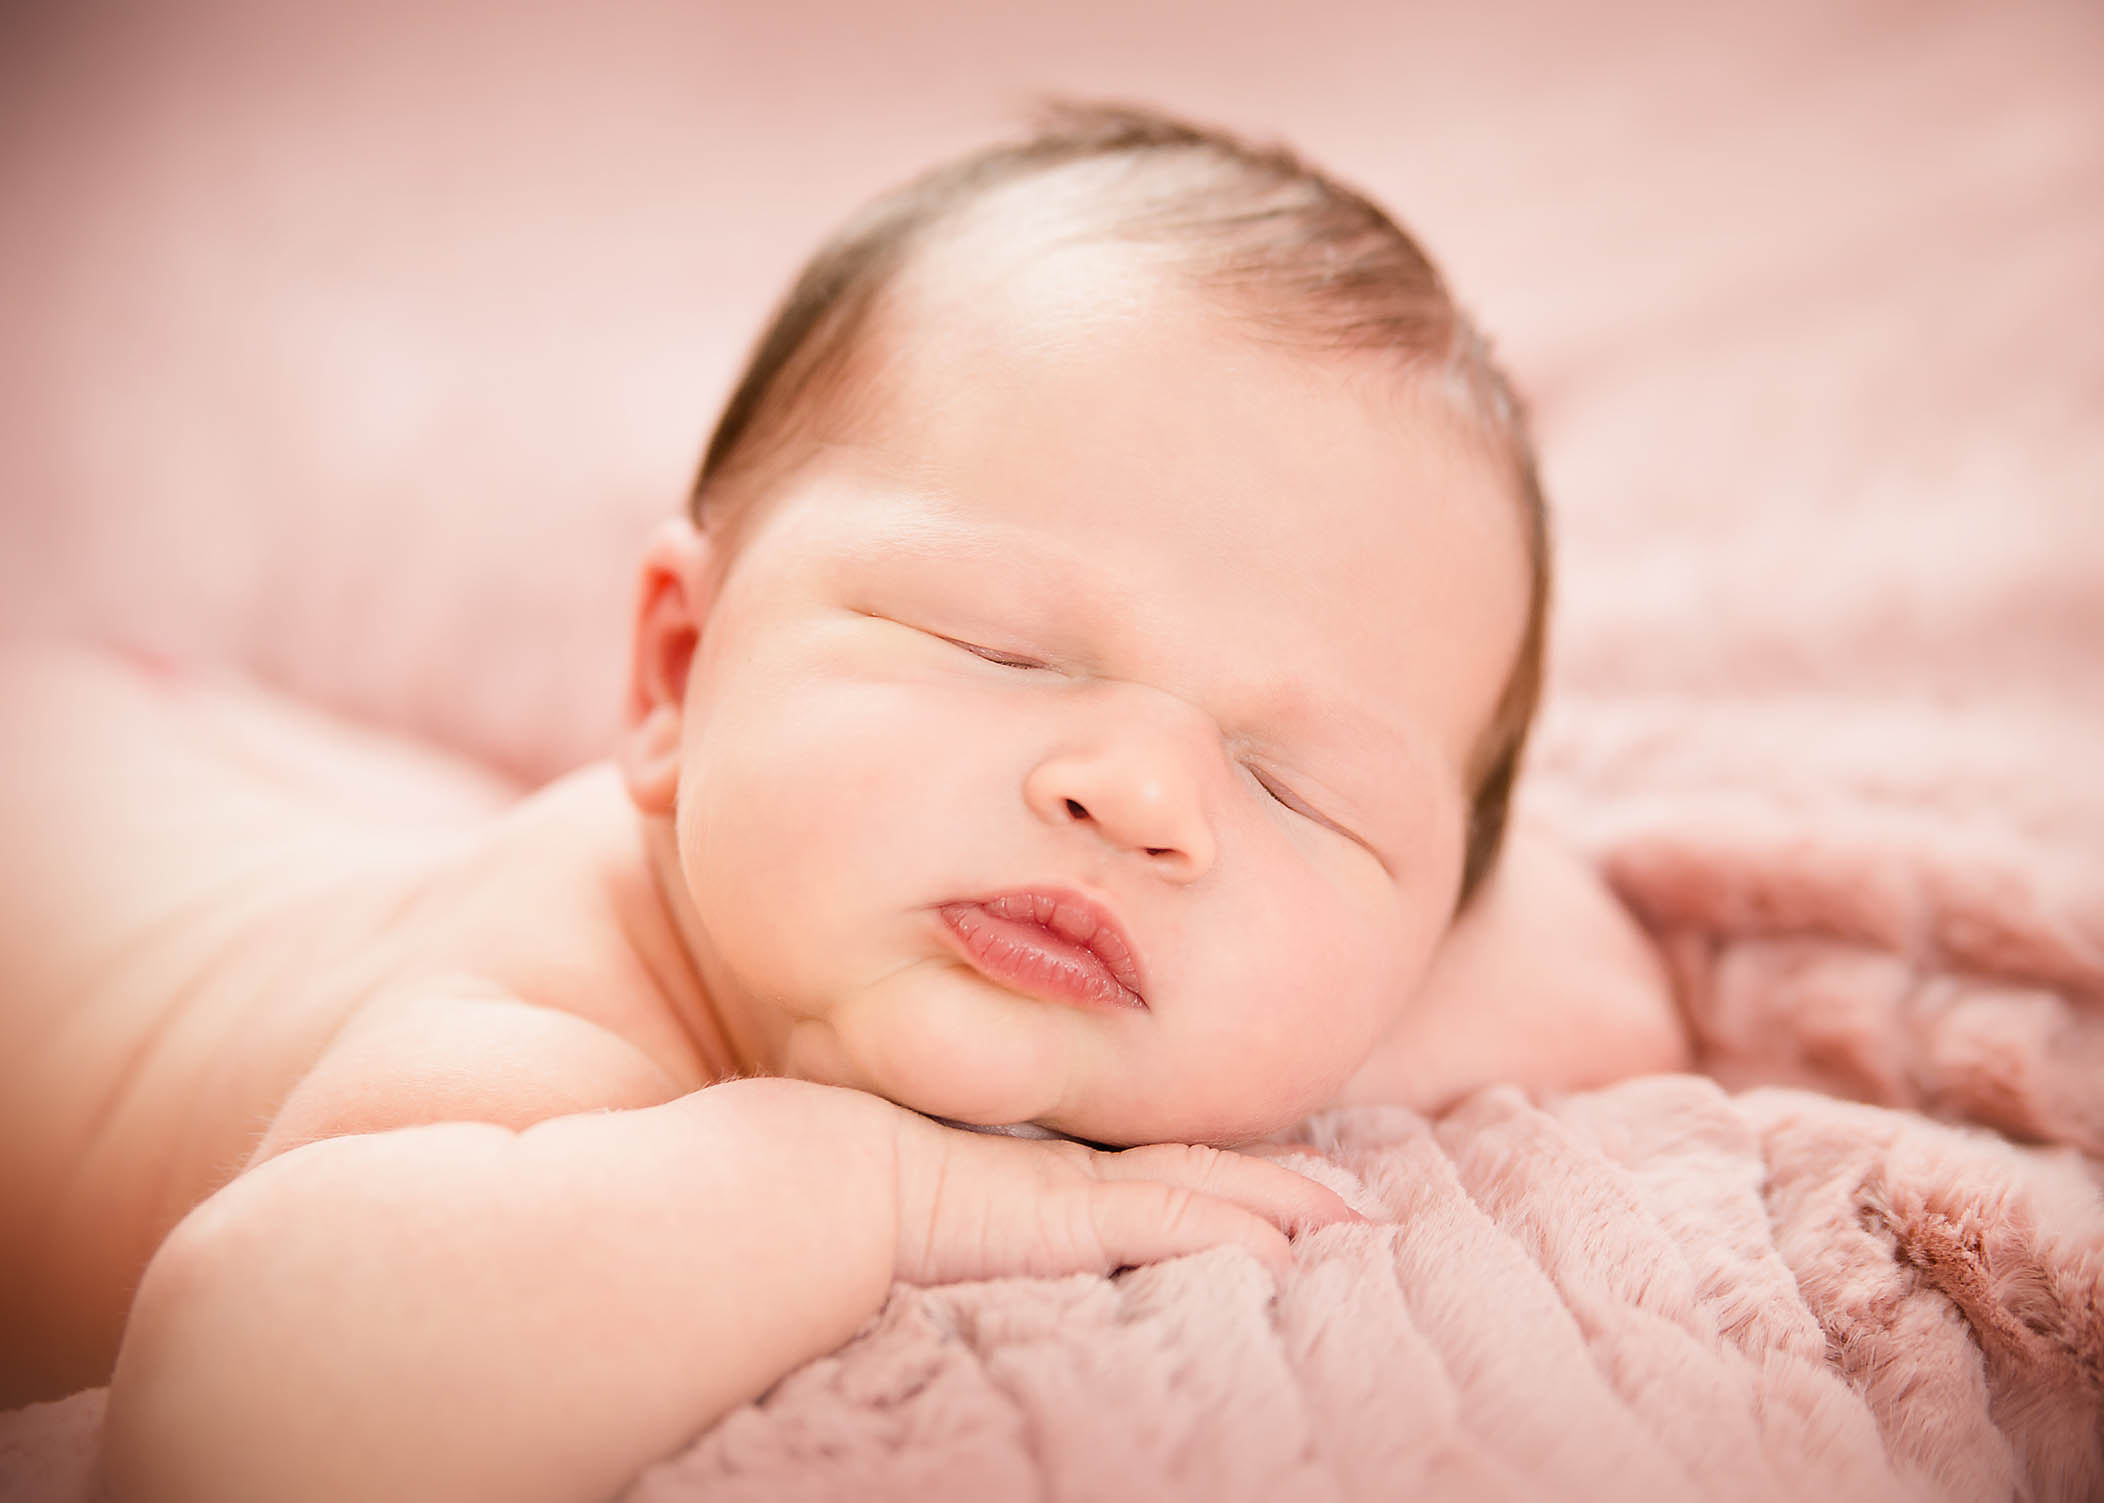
{"type": "Point", "coordinates": [973, 1206]}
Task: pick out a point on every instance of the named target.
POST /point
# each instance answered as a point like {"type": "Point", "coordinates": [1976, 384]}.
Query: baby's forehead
{"type": "Point", "coordinates": [1001, 293]}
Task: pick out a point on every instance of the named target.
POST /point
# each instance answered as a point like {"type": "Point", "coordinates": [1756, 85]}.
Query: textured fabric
{"type": "Point", "coordinates": [1652, 1291]}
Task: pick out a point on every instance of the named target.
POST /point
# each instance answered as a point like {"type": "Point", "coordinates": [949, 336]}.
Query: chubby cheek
{"type": "Point", "coordinates": [1302, 986]}
{"type": "Point", "coordinates": [807, 809]}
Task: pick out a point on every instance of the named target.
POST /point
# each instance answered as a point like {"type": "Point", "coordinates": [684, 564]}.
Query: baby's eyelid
{"type": "Point", "coordinates": [994, 655]}
{"type": "Point", "coordinates": [1288, 800]}
{"type": "Point", "coordinates": [1281, 795]}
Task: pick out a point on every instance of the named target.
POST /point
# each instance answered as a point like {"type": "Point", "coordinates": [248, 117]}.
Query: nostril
{"type": "Point", "coordinates": [1075, 809]}
{"type": "Point", "coordinates": [1161, 850]}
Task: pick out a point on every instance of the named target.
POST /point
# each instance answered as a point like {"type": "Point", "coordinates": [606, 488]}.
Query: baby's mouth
{"type": "Point", "coordinates": [1049, 943]}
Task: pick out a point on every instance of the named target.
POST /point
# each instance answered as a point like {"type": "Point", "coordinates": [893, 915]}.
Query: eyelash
{"type": "Point", "coordinates": [999, 659]}
{"type": "Point", "coordinates": [1278, 796]}
{"type": "Point", "coordinates": [1293, 805]}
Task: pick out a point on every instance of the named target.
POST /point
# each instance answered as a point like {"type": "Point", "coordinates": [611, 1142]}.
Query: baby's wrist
{"type": "Point", "coordinates": [827, 1150]}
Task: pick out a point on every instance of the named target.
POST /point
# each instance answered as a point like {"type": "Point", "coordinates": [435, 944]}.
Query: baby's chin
{"type": "Point", "coordinates": [955, 1050]}
{"type": "Point", "coordinates": [940, 1043]}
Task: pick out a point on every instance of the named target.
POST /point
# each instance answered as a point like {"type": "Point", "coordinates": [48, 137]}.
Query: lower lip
{"type": "Point", "coordinates": [1030, 959]}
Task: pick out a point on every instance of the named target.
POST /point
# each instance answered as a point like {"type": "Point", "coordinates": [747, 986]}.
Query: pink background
{"type": "Point", "coordinates": [356, 346]}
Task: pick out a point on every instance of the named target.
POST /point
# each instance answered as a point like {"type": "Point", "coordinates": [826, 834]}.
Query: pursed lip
{"type": "Point", "coordinates": [1050, 942]}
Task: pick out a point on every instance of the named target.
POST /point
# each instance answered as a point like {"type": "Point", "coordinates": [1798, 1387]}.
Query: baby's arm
{"type": "Point", "coordinates": [463, 1310]}
{"type": "Point", "coordinates": [1545, 981]}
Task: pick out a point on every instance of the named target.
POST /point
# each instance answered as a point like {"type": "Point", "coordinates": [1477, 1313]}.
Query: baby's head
{"type": "Point", "coordinates": [1096, 666]}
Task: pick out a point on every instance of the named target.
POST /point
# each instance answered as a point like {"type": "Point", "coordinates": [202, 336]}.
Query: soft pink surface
{"type": "Point", "coordinates": [359, 354]}
{"type": "Point", "coordinates": [1653, 1291]}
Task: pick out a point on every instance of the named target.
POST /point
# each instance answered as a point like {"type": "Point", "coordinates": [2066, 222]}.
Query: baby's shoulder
{"type": "Point", "coordinates": [462, 1047]}
{"type": "Point", "coordinates": [515, 990]}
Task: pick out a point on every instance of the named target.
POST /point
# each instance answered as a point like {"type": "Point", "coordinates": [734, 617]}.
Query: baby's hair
{"type": "Point", "coordinates": [1301, 258]}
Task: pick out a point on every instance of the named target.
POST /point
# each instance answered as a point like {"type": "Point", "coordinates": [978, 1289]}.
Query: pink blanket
{"type": "Point", "coordinates": [1807, 296]}
{"type": "Point", "coordinates": [1654, 1291]}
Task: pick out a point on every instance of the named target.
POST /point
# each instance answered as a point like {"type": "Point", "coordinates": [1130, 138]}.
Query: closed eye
{"type": "Point", "coordinates": [991, 655]}
{"type": "Point", "coordinates": [1279, 794]}
{"type": "Point", "coordinates": [1286, 799]}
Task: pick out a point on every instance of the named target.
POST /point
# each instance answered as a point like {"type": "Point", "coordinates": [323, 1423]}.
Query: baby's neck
{"type": "Point", "coordinates": [658, 921]}
{"type": "Point", "coordinates": [584, 923]}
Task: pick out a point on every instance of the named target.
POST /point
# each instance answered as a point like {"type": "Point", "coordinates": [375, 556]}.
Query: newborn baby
{"type": "Point", "coordinates": [1085, 697]}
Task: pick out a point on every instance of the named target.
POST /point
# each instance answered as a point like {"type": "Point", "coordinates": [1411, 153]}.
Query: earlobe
{"type": "Point", "coordinates": [675, 587]}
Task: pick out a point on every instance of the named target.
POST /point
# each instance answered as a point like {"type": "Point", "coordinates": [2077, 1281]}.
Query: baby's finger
{"type": "Point", "coordinates": [1292, 1202]}
{"type": "Point", "coordinates": [1145, 1220]}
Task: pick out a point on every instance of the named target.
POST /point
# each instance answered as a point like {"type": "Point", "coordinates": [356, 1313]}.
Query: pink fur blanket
{"type": "Point", "coordinates": [1654, 1291]}
{"type": "Point", "coordinates": [1807, 301]}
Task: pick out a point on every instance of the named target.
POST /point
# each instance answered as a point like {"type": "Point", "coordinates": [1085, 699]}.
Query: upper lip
{"type": "Point", "coordinates": [1078, 919]}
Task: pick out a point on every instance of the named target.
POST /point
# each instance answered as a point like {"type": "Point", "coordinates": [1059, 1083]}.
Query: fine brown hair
{"type": "Point", "coordinates": [1300, 257]}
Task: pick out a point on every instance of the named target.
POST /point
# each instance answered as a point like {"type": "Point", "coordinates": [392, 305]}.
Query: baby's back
{"type": "Point", "coordinates": [184, 923]}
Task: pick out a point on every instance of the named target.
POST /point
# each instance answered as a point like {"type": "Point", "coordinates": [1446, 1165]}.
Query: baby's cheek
{"type": "Point", "coordinates": [805, 810]}
{"type": "Point", "coordinates": [1338, 969]}
{"type": "Point", "coordinates": [810, 763]}
{"type": "Point", "coordinates": [1293, 1006]}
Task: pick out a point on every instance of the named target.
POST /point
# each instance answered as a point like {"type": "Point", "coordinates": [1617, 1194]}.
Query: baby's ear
{"type": "Point", "coordinates": [675, 587]}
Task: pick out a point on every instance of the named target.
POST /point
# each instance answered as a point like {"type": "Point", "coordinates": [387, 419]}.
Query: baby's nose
{"type": "Point", "coordinates": [1140, 787]}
